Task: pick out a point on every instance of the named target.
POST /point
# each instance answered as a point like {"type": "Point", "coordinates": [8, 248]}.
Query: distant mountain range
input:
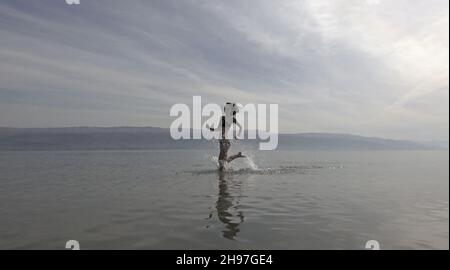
{"type": "Point", "coordinates": [115, 138]}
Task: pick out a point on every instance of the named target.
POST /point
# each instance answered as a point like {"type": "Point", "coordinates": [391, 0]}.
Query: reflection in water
{"type": "Point", "coordinates": [225, 205]}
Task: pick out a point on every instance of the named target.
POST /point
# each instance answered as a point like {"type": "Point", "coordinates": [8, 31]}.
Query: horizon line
{"type": "Point", "coordinates": [279, 133]}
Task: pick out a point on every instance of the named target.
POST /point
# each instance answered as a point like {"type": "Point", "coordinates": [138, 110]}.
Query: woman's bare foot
{"type": "Point", "coordinates": [238, 155]}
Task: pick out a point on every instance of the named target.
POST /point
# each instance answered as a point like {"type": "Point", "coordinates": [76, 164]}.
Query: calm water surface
{"type": "Point", "coordinates": [178, 200]}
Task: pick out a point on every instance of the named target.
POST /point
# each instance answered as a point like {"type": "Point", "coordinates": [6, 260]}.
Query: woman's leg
{"type": "Point", "coordinates": [239, 155]}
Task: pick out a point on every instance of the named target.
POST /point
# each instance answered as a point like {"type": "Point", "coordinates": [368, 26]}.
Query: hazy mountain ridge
{"type": "Point", "coordinates": [115, 138]}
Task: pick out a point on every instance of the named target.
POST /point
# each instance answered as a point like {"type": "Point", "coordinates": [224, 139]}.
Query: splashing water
{"type": "Point", "coordinates": [251, 163]}
{"type": "Point", "coordinates": [214, 160]}
{"type": "Point", "coordinates": [247, 165]}
{"type": "Point", "coordinates": [236, 164]}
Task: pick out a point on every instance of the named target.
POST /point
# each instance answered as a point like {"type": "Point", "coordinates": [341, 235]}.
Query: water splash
{"type": "Point", "coordinates": [214, 160]}
{"type": "Point", "coordinates": [248, 165]}
{"type": "Point", "coordinates": [260, 171]}
{"type": "Point", "coordinates": [251, 163]}
{"type": "Point", "coordinates": [236, 165]}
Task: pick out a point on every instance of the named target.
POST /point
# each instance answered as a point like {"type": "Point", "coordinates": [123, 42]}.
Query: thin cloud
{"type": "Point", "coordinates": [377, 68]}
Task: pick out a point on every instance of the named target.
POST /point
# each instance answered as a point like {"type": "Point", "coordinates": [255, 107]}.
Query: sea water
{"type": "Point", "coordinates": [161, 199]}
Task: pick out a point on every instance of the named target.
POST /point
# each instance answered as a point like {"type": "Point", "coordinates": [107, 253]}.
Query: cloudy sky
{"type": "Point", "coordinates": [375, 67]}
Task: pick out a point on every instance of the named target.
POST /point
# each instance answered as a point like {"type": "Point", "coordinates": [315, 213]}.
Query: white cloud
{"type": "Point", "coordinates": [368, 67]}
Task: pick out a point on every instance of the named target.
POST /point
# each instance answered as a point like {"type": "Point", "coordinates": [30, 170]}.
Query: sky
{"type": "Point", "coordinates": [374, 68]}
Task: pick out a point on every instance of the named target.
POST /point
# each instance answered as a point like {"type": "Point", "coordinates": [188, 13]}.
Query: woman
{"type": "Point", "coordinates": [226, 121]}
{"type": "Point", "coordinates": [229, 118]}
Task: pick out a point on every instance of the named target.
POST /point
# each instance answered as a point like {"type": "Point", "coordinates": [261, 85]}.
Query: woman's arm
{"type": "Point", "coordinates": [213, 128]}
